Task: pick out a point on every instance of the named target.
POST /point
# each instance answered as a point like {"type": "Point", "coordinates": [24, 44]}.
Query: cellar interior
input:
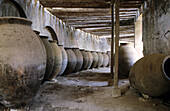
{"type": "Point", "coordinates": [84, 55]}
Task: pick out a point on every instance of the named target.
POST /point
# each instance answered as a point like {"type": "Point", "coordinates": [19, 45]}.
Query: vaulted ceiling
{"type": "Point", "coordinates": [94, 16]}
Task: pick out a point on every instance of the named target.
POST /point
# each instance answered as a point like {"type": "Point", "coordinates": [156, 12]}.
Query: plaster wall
{"type": "Point", "coordinates": [156, 27]}
{"type": "Point", "coordinates": [138, 36]}
{"type": "Point", "coordinates": [41, 18]}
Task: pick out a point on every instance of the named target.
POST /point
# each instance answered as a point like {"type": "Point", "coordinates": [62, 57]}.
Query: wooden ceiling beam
{"type": "Point", "coordinates": [78, 10]}
{"type": "Point", "coordinates": [91, 14]}
{"type": "Point", "coordinates": [108, 27]}
{"type": "Point", "coordinates": [76, 3]}
{"type": "Point", "coordinates": [98, 26]}
{"type": "Point", "coordinates": [70, 20]}
{"type": "Point", "coordinates": [97, 17]}
{"type": "Point", "coordinates": [122, 23]}
{"type": "Point", "coordinates": [108, 30]}
{"type": "Point", "coordinates": [121, 33]}
{"type": "Point", "coordinates": [87, 22]}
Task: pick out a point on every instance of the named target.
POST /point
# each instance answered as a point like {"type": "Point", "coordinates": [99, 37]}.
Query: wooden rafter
{"type": "Point", "coordinates": [94, 16]}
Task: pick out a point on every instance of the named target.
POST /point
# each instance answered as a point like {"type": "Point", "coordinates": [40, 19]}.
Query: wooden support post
{"type": "Point", "coordinates": [116, 90]}
{"type": "Point", "coordinates": [112, 41]}
{"type": "Point", "coordinates": [110, 81]}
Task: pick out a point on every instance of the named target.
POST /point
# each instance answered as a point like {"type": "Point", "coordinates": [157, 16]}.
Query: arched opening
{"type": "Point", "coordinates": [52, 32]}
{"type": "Point", "coordinates": [9, 9]}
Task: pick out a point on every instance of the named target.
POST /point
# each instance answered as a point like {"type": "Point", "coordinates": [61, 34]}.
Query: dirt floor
{"type": "Point", "coordinates": [88, 91]}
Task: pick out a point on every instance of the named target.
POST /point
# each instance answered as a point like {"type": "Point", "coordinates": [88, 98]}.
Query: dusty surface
{"type": "Point", "coordinates": [88, 91]}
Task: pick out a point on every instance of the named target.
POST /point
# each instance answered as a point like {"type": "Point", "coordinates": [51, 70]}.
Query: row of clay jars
{"type": "Point", "coordinates": [82, 60]}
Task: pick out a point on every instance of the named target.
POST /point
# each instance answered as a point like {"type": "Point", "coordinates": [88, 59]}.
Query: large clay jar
{"type": "Point", "coordinates": [44, 49]}
{"type": "Point", "coordinates": [95, 59]}
{"type": "Point", "coordinates": [85, 59]}
{"type": "Point", "coordinates": [90, 59]}
{"type": "Point", "coordinates": [100, 59]}
{"type": "Point", "coordinates": [105, 59]}
{"type": "Point", "coordinates": [22, 63]}
{"type": "Point", "coordinates": [50, 57]}
{"type": "Point", "coordinates": [64, 59]}
{"type": "Point", "coordinates": [57, 60]}
{"type": "Point", "coordinates": [151, 75]}
{"type": "Point", "coordinates": [127, 57]}
{"type": "Point", "coordinates": [72, 61]}
{"type": "Point", "coordinates": [109, 55]}
{"type": "Point", "coordinates": [79, 59]}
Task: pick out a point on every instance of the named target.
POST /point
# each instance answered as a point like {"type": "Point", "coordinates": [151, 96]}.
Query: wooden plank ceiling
{"type": "Point", "coordinates": [94, 16]}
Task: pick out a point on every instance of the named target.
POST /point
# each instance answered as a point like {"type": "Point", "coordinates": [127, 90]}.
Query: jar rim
{"type": "Point", "coordinates": [15, 20]}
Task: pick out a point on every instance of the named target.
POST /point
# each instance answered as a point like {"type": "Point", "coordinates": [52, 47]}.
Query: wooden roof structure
{"type": "Point", "coordinates": [94, 16]}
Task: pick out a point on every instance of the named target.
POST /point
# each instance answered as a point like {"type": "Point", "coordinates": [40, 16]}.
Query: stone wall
{"type": "Point", "coordinates": [43, 21]}
{"type": "Point", "coordinates": [156, 27]}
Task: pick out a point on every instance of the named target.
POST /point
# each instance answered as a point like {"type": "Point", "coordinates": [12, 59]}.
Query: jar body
{"type": "Point", "coordinates": [127, 57]}
{"type": "Point", "coordinates": [85, 59]}
{"type": "Point", "coordinates": [90, 59]}
{"type": "Point", "coordinates": [23, 62]}
{"type": "Point", "coordinates": [95, 60]}
{"type": "Point", "coordinates": [50, 58]}
{"type": "Point", "coordinates": [72, 61]}
{"type": "Point", "coordinates": [57, 61]}
{"type": "Point", "coordinates": [79, 59]}
{"type": "Point", "coordinates": [150, 75]}
{"type": "Point", "coordinates": [100, 61]}
{"type": "Point", "coordinates": [105, 60]}
{"type": "Point", "coordinates": [64, 60]}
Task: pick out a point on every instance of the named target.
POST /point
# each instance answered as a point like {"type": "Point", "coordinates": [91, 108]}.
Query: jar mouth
{"type": "Point", "coordinates": [52, 41]}
{"type": "Point", "coordinates": [165, 67]}
{"type": "Point", "coordinates": [43, 36]}
{"type": "Point", "coordinates": [67, 48]}
{"type": "Point", "coordinates": [125, 43]}
{"type": "Point", "coordinates": [60, 45]}
{"type": "Point", "coordinates": [15, 20]}
{"type": "Point", "coordinates": [75, 48]}
{"type": "Point", "coordinates": [37, 32]}
{"type": "Point", "coordinates": [81, 49]}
